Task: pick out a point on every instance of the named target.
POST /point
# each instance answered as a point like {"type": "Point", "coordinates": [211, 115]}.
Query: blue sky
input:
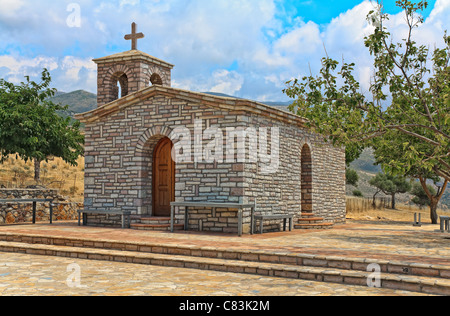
{"type": "Point", "coordinates": [246, 48]}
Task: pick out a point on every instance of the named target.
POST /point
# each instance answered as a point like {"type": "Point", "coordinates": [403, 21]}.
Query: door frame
{"type": "Point", "coordinates": [154, 166]}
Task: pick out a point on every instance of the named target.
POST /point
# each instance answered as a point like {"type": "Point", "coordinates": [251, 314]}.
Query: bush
{"type": "Point", "coordinates": [357, 193]}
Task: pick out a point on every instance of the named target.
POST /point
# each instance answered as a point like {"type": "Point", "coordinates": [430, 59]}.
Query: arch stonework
{"type": "Point", "coordinates": [153, 132]}
{"type": "Point", "coordinates": [163, 73]}
{"type": "Point", "coordinates": [107, 85]}
{"type": "Point", "coordinates": [138, 68]}
{"type": "Point", "coordinates": [144, 159]}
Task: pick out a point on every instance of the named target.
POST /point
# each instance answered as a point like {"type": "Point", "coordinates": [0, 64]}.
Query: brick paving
{"type": "Point", "coordinates": [25, 275]}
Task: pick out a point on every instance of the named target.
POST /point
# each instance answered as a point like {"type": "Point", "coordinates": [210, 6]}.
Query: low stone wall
{"type": "Point", "coordinates": [13, 213]}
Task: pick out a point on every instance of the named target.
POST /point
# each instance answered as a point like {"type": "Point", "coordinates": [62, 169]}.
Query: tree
{"type": "Point", "coordinates": [434, 196]}
{"type": "Point", "coordinates": [409, 96]}
{"type": "Point", "coordinates": [390, 185]}
{"type": "Point", "coordinates": [420, 197]}
{"type": "Point", "coordinates": [399, 148]}
{"type": "Point", "coordinates": [351, 177]}
{"type": "Point", "coordinates": [31, 128]}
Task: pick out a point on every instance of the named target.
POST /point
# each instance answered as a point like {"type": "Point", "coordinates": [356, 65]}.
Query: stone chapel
{"type": "Point", "coordinates": [148, 144]}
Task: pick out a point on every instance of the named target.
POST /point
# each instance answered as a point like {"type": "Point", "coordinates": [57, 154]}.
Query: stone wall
{"type": "Point", "coordinates": [119, 150]}
{"type": "Point", "coordinates": [133, 70]}
{"type": "Point", "coordinates": [13, 213]}
{"type": "Point", "coordinates": [281, 192]}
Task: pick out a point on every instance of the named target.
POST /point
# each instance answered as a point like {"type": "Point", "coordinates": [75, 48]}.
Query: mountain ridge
{"type": "Point", "coordinates": [81, 101]}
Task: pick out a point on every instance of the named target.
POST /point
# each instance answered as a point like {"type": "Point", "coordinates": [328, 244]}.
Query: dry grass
{"type": "Point", "coordinates": [360, 209]}
{"type": "Point", "coordinates": [55, 174]}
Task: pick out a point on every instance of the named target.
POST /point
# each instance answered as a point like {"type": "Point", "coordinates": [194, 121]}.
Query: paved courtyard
{"type": "Point", "coordinates": [40, 275]}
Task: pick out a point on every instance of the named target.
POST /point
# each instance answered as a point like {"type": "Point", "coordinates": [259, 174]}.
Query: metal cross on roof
{"type": "Point", "coordinates": [134, 36]}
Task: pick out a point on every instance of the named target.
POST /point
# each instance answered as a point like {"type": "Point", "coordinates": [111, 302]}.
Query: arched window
{"type": "Point", "coordinates": [155, 79]}
{"type": "Point", "coordinates": [120, 85]}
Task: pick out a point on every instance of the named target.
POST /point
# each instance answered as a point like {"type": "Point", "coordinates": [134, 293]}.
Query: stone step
{"type": "Point", "coordinates": [325, 274]}
{"type": "Point", "coordinates": [266, 256]}
{"type": "Point", "coordinates": [157, 227]}
{"type": "Point", "coordinates": [154, 223]}
{"type": "Point", "coordinates": [314, 226]}
{"type": "Point", "coordinates": [310, 220]}
{"type": "Point", "coordinates": [154, 220]}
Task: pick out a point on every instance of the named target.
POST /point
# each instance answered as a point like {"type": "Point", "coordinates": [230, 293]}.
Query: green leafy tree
{"type": "Point", "coordinates": [400, 148]}
{"type": "Point", "coordinates": [409, 96]}
{"type": "Point", "coordinates": [31, 128]}
{"type": "Point", "coordinates": [420, 197]}
{"type": "Point", "coordinates": [390, 185]}
{"type": "Point", "coordinates": [351, 177]}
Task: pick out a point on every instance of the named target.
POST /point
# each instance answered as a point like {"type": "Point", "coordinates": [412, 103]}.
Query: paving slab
{"type": "Point", "coordinates": [28, 275]}
{"type": "Point", "coordinates": [420, 247]}
{"type": "Point", "coordinates": [381, 241]}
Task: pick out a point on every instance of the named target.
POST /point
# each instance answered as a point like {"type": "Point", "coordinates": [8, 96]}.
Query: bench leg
{"type": "Point", "coordinates": [172, 214]}
{"type": "Point", "coordinates": [261, 226]}
{"type": "Point", "coordinates": [240, 223]}
{"type": "Point", "coordinates": [79, 219]}
{"type": "Point", "coordinates": [186, 218]}
{"type": "Point", "coordinates": [34, 212]}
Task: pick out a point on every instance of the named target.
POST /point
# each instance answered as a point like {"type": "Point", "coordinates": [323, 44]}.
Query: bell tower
{"type": "Point", "coordinates": [121, 74]}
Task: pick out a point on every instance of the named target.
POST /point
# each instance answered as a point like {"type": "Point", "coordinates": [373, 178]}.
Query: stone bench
{"type": "Point", "coordinates": [213, 205]}
{"type": "Point", "coordinates": [125, 215]}
{"type": "Point", "coordinates": [445, 224]}
{"type": "Point", "coordinates": [262, 218]}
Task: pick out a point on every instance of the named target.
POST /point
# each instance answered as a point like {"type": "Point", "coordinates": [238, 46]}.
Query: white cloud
{"type": "Point", "coordinates": [10, 7]}
{"type": "Point", "coordinates": [235, 47]}
{"type": "Point", "coordinates": [302, 40]}
{"type": "Point", "coordinates": [228, 82]}
{"type": "Point", "coordinates": [68, 73]}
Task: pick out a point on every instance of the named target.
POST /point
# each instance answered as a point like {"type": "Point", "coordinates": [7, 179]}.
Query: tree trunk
{"type": "Point", "coordinates": [433, 211]}
{"type": "Point", "coordinates": [434, 200]}
{"type": "Point", "coordinates": [374, 204]}
{"type": "Point", "coordinates": [393, 201]}
{"type": "Point", "coordinates": [37, 170]}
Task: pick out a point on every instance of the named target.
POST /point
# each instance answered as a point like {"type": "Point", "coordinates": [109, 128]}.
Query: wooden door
{"type": "Point", "coordinates": [163, 178]}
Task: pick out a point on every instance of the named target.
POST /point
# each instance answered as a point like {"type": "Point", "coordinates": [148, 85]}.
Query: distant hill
{"type": "Point", "coordinates": [366, 169]}
{"type": "Point", "coordinates": [79, 101]}
{"type": "Point", "coordinates": [280, 105]}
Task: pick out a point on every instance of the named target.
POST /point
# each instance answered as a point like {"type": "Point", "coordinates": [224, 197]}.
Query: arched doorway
{"type": "Point", "coordinates": [163, 178]}
{"type": "Point", "coordinates": [306, 180]}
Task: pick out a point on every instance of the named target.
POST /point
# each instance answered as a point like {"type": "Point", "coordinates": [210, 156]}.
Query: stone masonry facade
{"type": "Point", "coordinates": [133, 70]}
{"type": "Point", "coordinates": [119, 147]}
{"type": "Point", "coordinates": [278, 152]}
